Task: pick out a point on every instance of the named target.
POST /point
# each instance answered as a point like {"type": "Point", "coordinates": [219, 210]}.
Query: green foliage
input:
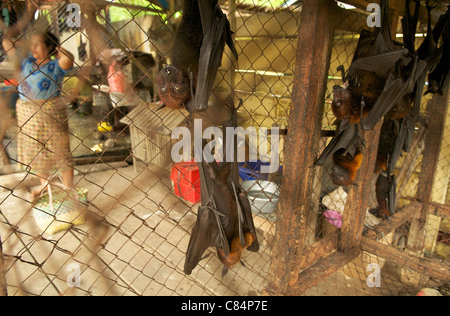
{"type": "Point", "coordinates": [263, 3]}
{"type": "Point", "coordinates": [119, 14]}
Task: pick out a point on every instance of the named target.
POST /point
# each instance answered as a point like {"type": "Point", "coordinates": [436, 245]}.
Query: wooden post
{"type": "Point", "coordinates": [437, 113]}
{"type": "Point", "coordinates": [311, 70]}
{"type": "Point", "coordinates": [3, 288]}
{"type": "Point", "coordinates": [357, 199]}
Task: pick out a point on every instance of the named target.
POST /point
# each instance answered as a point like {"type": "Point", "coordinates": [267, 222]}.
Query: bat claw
{"type": "Point", "coordinates": [161, 107]}
{"type": "Point", "coordinates": [205, 256]}
{"type": "Point", "coordinates": [224, 271]}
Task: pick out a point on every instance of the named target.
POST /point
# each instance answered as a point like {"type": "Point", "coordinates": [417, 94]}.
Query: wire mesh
{"type": "Point", "coordinates": [139, 213]}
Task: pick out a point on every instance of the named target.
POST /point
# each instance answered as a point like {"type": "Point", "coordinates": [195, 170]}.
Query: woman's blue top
{"type": "Point", "coordinates": [40, 82]}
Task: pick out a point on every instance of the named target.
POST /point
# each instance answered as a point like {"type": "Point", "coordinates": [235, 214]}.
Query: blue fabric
{"type": "Point", "coordinates": [40, 83]}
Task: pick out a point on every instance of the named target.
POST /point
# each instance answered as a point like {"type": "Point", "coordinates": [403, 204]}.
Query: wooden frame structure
{"type": "Point", "coordinates": [296, 265]}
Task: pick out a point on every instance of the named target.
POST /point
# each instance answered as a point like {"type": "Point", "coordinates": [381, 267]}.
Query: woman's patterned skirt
{"type": "Point", "coordinates": [43, 140]}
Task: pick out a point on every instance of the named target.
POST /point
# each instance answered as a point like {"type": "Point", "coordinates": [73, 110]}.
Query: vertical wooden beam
{"type": "Point", "coordinates": [3, 288]}
{"type": "Point", "coordinates": [358, 196]}
{"type": "Point", "coordinates": [437, 113]}
{"type": "Point", "coordinates": [311, 70]}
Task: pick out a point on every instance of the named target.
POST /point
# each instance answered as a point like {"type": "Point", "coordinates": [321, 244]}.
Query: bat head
{"type": "Point", "coordinates": [403, 107]}
{"type": "Point", "coordinates": [433, 87]}
{"type": "Point", "coordinates": [342, 102]}
{"type": "Point", "coordinates": [174, 87]}
{"type": "Point", "coordinates": [379, 212]}
{"type": "Point", "coordinates": [341, 176]}
{"type": "Point", "coordinates": [345, 167]}
{"type": "Point", "coordinates": [236, 249]}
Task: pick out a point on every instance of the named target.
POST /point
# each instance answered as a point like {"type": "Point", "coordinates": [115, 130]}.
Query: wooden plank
{"type": "Point", "coordinates": [321, 270]}
{"type": "Point", "coordinates": [357, 202]}
{"type": "Point", "coordinates": [437, 113]}
{"type": "Point", "coordinates": [425, 266]}
{"type": "Point", "coordinates": [319, 250]}
{"type": "Point", "coordinates": [303, 138]}
{"type": "Point", "coordinates": [439, 209]}
{"type": "Point", "coordinates": [399, 218]}
{"type": "Point", "coordinates": [410, 162]}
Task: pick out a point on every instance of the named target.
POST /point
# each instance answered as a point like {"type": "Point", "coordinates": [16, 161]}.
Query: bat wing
{"type": "Point", "coordinates": [392, 195]}
{"type": "Point", "coordinates": [441, 24]}
{"type": "Point", "coordinates": [439, 77]}
{"type": "Point", "coordinates": [381, 64]}
{"type": "Point", "coordinates": [216, 32]}
{"type": "Point", "coordinates": [414, 116]}
{"type": "Point", "coordinates": [407, 125]}
{"type": "Point", "coordinates": [207, 232]}
{"type": "Point", "coordinates": [409, 26]}
{"type": "Point", "coordinates": [247, 220]}
{"type": "Point", "coordinates": [395, 89]}
{"type": "Point", "coordinates": [347, 137]}
{"type": "Point", "coordinates": [398, 148]}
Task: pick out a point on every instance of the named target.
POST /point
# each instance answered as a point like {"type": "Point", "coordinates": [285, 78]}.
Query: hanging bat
{"type": "Point", "coordinates": [375, 57]}
{"type": "Point", "coordinates": [345, 106]}
{"type": "Point", "coordinates": [347, 137]}
{"type": "Point", "coordinates": [385, 195]}
{"type": "Point", "coordinates": [224, 219]}
{"type": "Point", "coordinates": [386, 145]}
{"type": "Point", "coordinates": [401, 82]}
{"type": "Point", "coordinates": [197, 56]}
{"type": "Point", "coordinates": [428, 50]}
{"type": "Point", "coordinates": [345, 150]}
{"type": "Point", "coordinates": [381, 73]}
{"type": "Point", "coordinates": [409, 25]}
{"type": "Point", "coordinates": [345, 167]}
{"type": "Point", "coordinates": [216, 32]}
{"type": "Point", "coordinates": [439, 78]}
{"type": "Point", "coordinates": [393, 137]}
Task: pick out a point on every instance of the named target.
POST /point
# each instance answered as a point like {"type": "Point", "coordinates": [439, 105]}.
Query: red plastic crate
{"type": "Point", "coordinates": [185, 178]}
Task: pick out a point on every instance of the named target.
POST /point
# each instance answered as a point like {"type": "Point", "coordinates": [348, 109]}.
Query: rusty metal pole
{"type": "Point", "coordinates": [3, 288]}
{"type": "Point", "coordinates": [303, 139]}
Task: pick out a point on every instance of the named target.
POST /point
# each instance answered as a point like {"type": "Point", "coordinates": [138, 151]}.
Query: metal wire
{"type": "Point", "coordinates": [137, 228]}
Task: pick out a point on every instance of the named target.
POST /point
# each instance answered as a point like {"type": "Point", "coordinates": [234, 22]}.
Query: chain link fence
{"type": "Point", "coordinates": [141, 206]}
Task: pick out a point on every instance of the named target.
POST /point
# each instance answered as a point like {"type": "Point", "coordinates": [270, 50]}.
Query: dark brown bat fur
{"type": "Point", "coordinates": [345, 167]}
{"type": "Point", "coordinates": [173, 80]}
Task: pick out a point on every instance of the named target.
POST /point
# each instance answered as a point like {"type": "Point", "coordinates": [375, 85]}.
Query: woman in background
{"type": "Point", "coordinates": [43, 141]}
